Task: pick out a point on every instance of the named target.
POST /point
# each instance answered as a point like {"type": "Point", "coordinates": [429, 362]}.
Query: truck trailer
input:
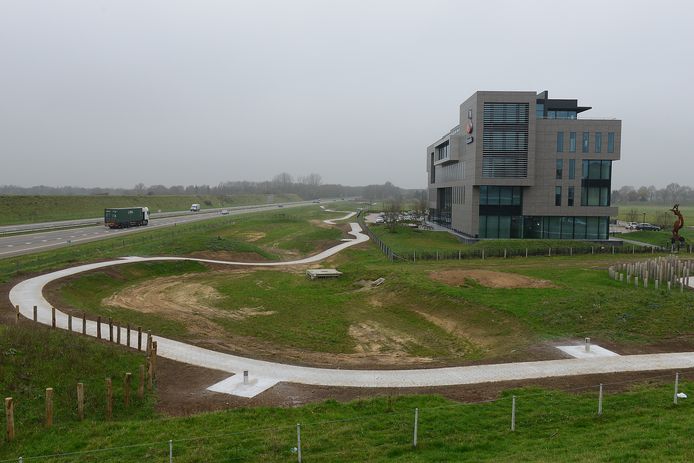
{"type": "Point", "coordinates": [124, 217]}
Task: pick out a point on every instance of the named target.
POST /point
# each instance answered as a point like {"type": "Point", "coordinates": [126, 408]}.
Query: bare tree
{"type": "Point", "coordinates": [392, 209]}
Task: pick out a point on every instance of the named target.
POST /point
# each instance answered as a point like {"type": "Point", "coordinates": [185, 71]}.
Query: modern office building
{"type": "Point", "coordinates": [522, 165]}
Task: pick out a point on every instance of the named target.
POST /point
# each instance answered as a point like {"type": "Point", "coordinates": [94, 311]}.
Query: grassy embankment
{"type": "Point", "coordinates": [32, 209]}
{"type": "Point", "coordinates": [638, 425]}
{"type": "Point", "coordinates": [420, 317]}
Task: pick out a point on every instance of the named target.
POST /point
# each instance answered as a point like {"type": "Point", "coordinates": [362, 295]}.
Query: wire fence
{"type": "Point", "coordinates": [395, 431]}
{"type": "Point", "coordinates": [482, 253]}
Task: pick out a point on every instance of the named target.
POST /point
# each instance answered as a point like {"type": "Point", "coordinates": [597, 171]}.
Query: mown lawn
{"type": "Point", "coordinates": [31, 209]}
{"type": "Point", "coordinates": [405, 241]}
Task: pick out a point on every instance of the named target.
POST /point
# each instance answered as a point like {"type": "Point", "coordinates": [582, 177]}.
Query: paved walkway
{"type": "Point", "coordinates": [263, 374]}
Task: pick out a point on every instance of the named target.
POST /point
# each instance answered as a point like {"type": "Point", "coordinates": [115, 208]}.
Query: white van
{"type": "Point", "coordinates": [194, 207]}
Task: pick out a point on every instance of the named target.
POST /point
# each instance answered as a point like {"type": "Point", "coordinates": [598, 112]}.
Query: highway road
{"type": "Point", "coordinates": [27, 243]}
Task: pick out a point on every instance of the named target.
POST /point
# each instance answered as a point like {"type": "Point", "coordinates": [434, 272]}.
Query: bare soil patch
{"type": "Point", "coordinates": [179, 298]}
{"type": "Point", "coordinates": [489, 278]}
{"type": "Point", "coordinates": [375, 340]}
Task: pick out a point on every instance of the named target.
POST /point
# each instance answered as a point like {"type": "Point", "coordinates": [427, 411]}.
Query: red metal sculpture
{"type": "Point", "coordinates": [679, 223]}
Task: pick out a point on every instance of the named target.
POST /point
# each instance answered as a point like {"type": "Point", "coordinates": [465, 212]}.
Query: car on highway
{"type": "Point", "coordinates": [631, 225]}
{"type": "Point", "coordinates": [647, 227]}
{"type": "Point", "coordinates": [224, 212]}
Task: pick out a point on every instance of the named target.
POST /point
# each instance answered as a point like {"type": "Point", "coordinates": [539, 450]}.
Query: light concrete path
{"type": "Point", "coordinates": [263, 374]}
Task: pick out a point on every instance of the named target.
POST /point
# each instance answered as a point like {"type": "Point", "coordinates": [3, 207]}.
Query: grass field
{"type": "Point", "coordinates": [31, 209]}
{"type": "Point", "coordinates": [237, 237]}
{"type": "Point", "coordinates": [410, 318]}
{"type": "Point", "coordinates": [638, 425]}
{"type": "Point", "coordinates": [654, 211]}
{"type": "Point", "coordinates": [406, 240]}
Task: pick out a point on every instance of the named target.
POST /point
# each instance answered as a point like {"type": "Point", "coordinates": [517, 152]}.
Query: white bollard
{"type": "Point", "coordinates": [600, 401]}
{"type": "Point", "coordinates": [245, 376]}
{"type": "Point", "coordinates": [416, 426]}
{"type": "Point", "coordinates": [298, 442]}
{"type": "Point", "coordinates": [677, 384]}
{"type": "Point", "coordinates": [587, 341]}
{"type": "Point", "coordinates": [170, 451]}
{"type": "Point", "coordinates": [513, 413]}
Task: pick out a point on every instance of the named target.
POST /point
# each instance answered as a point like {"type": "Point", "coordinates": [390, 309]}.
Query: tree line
{"type": "Point", "coordinates": [672, 193]}
{"type": "Point", "coordinates": [309, 186]}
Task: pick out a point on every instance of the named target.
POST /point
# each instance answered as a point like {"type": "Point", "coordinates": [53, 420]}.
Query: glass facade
{"type": "Point", "coordinates": [610, 142]}
{"type": "Point", "coordinates": [596, 169]}
{"type": "Point", "coordinates": [570, 196]}
{"type": "Point", "coordinates": [554, 114]}
{"type": "Point", "coordinates": [442, 151]}
{"type": "Point", "coordinates": [598, 142]}
{"type": "Point", "coordinates": [572, 169]}
{"type": "Point", "coordinates": [585, 143]}
{"type": "Point", "coordinates": [560, 168]}
{"type": "Point", "coordinates": [560, 142]}
{"type": "Point", "coordinates": [557, 196]}
{"type": "Point", "coordinates": [500, 195]}
{"type": "Point", "coordinates": [572, 142]}
{"type": "Point", "coordinates": [501, 226]}
{"type": "Point", "coordinates": [540, 110]}
{"type": "Point", "coordinates": [566, 227]}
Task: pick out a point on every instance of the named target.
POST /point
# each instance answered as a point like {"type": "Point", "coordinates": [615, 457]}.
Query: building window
{"type": "Point", "coordinates": [610, 142]}
{"type": "Point", "coordinates": [500, 195]}
{"type": "Point", "coordinates": [557, 196]}
{"type": "Point", "coordinates": [442, 151]}
{"type": "Point", "coordinates": [570, 196]}
{"type": "Point", "coordinates": [595, 196]}
{"type": "Point", "coordinates": [432, 170]}
{"type": "Point", "coordinates": [560, 142]}
{"type": "Point", "coordinates": [586, 142]}
{"type": "Point", "coordinates": [595, 169]}
{"type": "Point", "coordinates": [598, 142]}
{"type": "Point", "coordinates": [572, 169]}
{"type": "Point", "coordinates": [572, 142]}
{"type": "Point", "coordinates": [540, 111]}
{"type": "Point", "coordinates": [560, 168]}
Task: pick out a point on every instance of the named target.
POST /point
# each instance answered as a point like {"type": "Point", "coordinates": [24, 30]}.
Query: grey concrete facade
{"type": "Point", "coordinates": [510, 139]}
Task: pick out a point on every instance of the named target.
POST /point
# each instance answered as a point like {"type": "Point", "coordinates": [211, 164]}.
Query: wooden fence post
{"type": "Point", "coordinates": [149, 373]}
{"type": "Point", "coordinates": [52, 317]}
{"type": "Point", "coordinates": [69, 322]}
{"type": "Point", "coordinates": [139, 338]}
{"type": "Point", "coordinates": [80, 401]}
{"type": "Point", "coordinates": [110, 329]}
{"type": "Point", "coordinates": [127, 336]}
{"type": "Point", "coordinates": [117, 334]}
{"type": "Point", "coordinates": [17, 312]}
{"type": "Point", "coordinates": [36, 318]}
{"type": "Point", "coordinates": [154, 359]}
{"type": "Point", "coordinates": [109, 399]}
{"type": "Point", "coordinates": [49, 407]}
{"type": "Point", "coordinates": [84, 323]}
{"type": "Point", "coordinates": [98, 327]}
{"type": "Point", "coordinates": [141, 383]}
{"type": "Point", "coordinates": [149, 342]}
{"type": "Point", "coordinates": [9, 417]}
{"type": "Point", "coordinates": [126, 389]}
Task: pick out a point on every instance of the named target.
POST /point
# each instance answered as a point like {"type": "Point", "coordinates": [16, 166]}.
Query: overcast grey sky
{"type": "Point", "coordinates": [112, 93]}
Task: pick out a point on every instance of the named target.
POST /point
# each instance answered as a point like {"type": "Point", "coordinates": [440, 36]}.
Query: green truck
{"type": "Point", "coordinates": [124, 217]}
